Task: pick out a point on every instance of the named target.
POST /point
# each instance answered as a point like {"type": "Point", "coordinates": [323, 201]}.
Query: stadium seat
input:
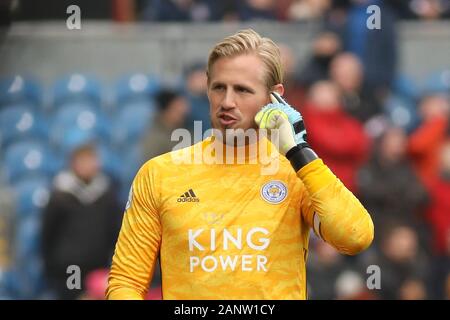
{"type": "Point", "coordinates": [29, 157]}
{"type": "Point", "coordinates": [27, 237]}
{"type": "Point", "coordinates": [136, 87]}
{"type": "Point", "coordinates": [132, 160]}
{"type": "Point", "coordinates": [28, 260]}
{"type": "Point", "coordinates": [79, 118]}
{"type": "Point", "coordinates": [110, 161]}
{"type": "Point", "coordinates": [18, 89]}
{"type": "Point", "coordinates": [131, 121]}
{"type": "Point", "coordinates": [77, 87]}
{"type": "Point", "coordinates": [19, 122]}
{"type": "Point", "coordinates": [31, 195]}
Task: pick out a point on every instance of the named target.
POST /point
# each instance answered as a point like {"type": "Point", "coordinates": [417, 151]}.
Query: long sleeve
{"type": "Point", "coordinates": [426, 137]}
{"type": "Point", "coordinates": [139, 241]}
{"type": "Point", "coordinates": [335, 214]}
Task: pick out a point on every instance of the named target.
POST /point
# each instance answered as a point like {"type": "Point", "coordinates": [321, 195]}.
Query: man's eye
{"type": "Point", "coordinates": [242, 89]}
{"type": "Point", "coordinates": [219, 87]}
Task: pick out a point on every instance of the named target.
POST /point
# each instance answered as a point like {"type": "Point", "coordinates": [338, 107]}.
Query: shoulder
{"type": "Point", "coordinates": [169, 161]}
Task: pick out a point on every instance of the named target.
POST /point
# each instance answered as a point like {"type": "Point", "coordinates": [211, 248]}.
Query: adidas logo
{"type": "Point", "coordinates": [188, 196]}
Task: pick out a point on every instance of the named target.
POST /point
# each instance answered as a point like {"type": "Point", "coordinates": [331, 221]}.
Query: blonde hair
{"type": "Point", "coordinates": [250, 42]}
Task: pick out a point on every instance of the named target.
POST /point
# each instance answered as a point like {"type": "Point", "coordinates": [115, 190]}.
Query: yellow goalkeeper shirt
{"type": "Point", "coordinates": [231, 231]}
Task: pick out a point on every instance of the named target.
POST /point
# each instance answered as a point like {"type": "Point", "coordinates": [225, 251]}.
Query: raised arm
{"type": "Point", "coordinates": [334, 213]}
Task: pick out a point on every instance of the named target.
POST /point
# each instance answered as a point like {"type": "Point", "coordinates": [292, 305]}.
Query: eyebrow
{"type": "Point", "coordinates": [238, 86]}
{"type": "Point", "coordinates": [244, 87]}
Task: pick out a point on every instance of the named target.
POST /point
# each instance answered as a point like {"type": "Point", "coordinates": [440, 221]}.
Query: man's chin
{"type": "Point", "coordinates": [236, 135]}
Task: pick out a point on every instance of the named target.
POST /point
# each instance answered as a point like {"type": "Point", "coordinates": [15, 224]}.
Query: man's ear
{"type": "Point", "coordinates": [278, 88]}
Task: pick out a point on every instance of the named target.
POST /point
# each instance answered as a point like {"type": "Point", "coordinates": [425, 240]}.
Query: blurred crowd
{"type": "Point", "coordinates": [67, 164]}
{"type": "Point", "coordinates": [389, 143]}
{"type": "Point", "coordinates": [332, 11]}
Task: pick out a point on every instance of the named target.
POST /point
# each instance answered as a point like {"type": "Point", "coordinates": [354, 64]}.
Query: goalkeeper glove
{"type": "Point", "coordinates": [280, 115]}
{"type": "Point", "coordinates": [292, 132]}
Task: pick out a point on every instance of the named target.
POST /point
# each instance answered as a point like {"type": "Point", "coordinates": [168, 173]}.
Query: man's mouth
{"type": "Point", "coordinates": [226, 119]}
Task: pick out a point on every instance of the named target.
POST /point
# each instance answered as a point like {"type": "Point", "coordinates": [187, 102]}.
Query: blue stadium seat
{"type": "Point", "coordinates": [79, 118]}
{"type": "Point", "coordinates": [110, 161]}
{"type": "Point", "coordinates": [438, 82]}
{"type": "Point", "coordinates": [29, 157]}
{"type": "Point", "coordinates": [131, 122]}
{"type": "Point", "coordinates": [74, 137]}
{"type": "Point", "coordinates": [19, 122]}
{"type": "Point", "coordinates": [77, 87]}
{"type": "Point", "coordinates": [19, 89]}
{"type": "Point", "coordinates": [27, 237]}
{"type": "Point", "coordinates": [136, 87]}
{"type": "Point", "coordinates": [31, 195]}
{"type": "Point", "coordinates": [28, 259]}
{"type": "Point", "coordinates": [132, 160]}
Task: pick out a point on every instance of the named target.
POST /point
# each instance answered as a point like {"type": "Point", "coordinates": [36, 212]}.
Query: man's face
{"type": "Point", "coordinates": [236, 92]}
{"type": "Point", "coordinates": [86, 165]}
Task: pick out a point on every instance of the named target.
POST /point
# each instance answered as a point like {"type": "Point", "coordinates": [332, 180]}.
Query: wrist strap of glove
{"type": "Point", "coordinates": [299, 126]}
{"type": "Point", "coordinates": [301, 155]}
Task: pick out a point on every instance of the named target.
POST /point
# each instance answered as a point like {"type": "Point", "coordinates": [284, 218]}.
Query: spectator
{"type": "Point", "coordinates": [426, 141]}
{"type": "Point", "coordinates": [293, 91]}
{"type": "Point", "coordinates": [226, 10]}
{"type": "Point", "coordinates": [176, 10]}
{"type": "Point", "coordinates": [424, 9]}
{"type": "Point", "coordinates": [346, 70]}
{"type": "Point", "coordinates": [447, 285]}
{"type": "Point", "coordinates": [257, 10]}
{"type": "Point", "coordinates": [173, 109]}
{"type": "Point", "coordinates": [388, 186]}
{"type": "Point", "coordinates": [403, 265]}
{"type": "Point", "coordinates": [308, 9]}
{"type": "Point", "coordinates": [413, 289]}
{"type": "Point", "coordinates": [376, 48]}
{"type": "Point", "coordinates": [196, 85]}
{"type": "Point", "coordinates": [96, 283]}
{"type": "Point", "coordinates": [80, 223]}
{"type": "Point", "coordinates": [350, 285]}
{"type": "Point", "coordinates": [440, 272]}
{"type": "Point", "coordinates": [337, 138]}
{"type": "Point", "coordinates": [325, 264]}
{"type": "Point", "coordinates": [325, 47]}
{"type": "Point", "coordinates": [439, 210]}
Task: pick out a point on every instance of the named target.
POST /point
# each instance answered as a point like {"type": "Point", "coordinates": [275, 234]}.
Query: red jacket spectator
{"type": "Point", "coordinates": [426, 141]}
{"type": "Point", "coordinates": [439, 211]}
{"type": "Point", "coordinates": [339, 140]}
{"type": "Point", "coordinates": [424, 145]}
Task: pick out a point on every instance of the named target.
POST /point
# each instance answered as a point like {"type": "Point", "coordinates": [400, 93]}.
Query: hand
{"type": "Point", "coordinates": [280, 115]}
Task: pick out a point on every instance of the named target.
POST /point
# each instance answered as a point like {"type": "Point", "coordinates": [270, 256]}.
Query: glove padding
{"type": "Point", "coordinates": [280, 115]}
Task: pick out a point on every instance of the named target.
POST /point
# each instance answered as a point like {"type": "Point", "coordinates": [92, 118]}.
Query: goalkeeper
{"type": "Point", "coordinates": [226, 231]}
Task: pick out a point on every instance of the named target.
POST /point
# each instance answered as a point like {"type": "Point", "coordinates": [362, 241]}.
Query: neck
{"type": "Point", "coordinates": [241, 149]}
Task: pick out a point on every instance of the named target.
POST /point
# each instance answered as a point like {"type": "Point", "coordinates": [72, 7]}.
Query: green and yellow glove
{"type": "Point", "coordinates": [289, 122]}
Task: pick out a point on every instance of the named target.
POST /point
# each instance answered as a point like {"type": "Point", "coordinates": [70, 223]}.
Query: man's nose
{"type": "Point", "coordinates": [228, 101]}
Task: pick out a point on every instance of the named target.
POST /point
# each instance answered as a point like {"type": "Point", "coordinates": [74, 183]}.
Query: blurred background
{"type": "Point", "coordinates": [82, 109]}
